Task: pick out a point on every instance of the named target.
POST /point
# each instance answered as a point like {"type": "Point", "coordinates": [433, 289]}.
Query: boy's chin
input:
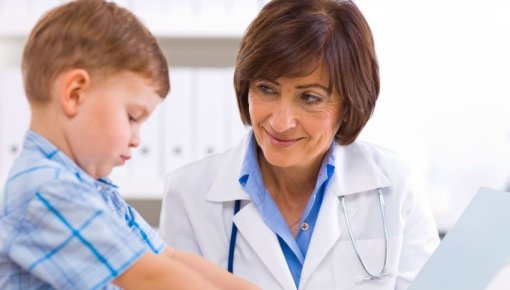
{"type": "Point", "coordinates": [103, 172]}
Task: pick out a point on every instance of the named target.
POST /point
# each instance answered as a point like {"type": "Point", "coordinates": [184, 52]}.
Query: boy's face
{"type": "Point", "coordinates": [108, 122]}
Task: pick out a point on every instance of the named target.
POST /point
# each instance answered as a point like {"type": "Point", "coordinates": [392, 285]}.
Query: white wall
{"type": "Point", "coordinates": [445, 99]}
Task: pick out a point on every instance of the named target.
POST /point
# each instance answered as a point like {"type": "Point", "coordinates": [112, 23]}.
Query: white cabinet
{"type": "Point", "coordinates": [146, 162]}
{"type": "Point", "coordinates": [14, 117]}
{"type": "Point", "coordinates": [211, 86]}
{"type": "Point", "coordinates": [179, 123]}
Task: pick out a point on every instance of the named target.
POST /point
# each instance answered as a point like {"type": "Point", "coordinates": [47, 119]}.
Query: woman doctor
{"type": "Point", "coordinates": [299, 203]}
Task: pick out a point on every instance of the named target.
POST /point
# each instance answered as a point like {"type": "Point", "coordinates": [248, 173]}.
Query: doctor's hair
{"type": "Point", "coordinates": [97, 36]}
{"type": "Point", "coordinates": [294, 38]}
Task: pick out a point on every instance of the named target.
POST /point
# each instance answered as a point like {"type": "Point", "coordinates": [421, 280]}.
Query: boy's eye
{"type": "Point", "coordinates": [132, 119]}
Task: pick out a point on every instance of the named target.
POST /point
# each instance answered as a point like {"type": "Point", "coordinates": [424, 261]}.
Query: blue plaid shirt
{"type": "Point", "coordinates": [62, 229]}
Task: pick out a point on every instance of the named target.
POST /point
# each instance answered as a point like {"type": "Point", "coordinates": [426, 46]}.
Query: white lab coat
{"type": "Point", "coordinates": [197, 216]}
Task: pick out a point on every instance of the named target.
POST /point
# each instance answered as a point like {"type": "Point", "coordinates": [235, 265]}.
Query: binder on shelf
{"type": "Point", "coordinates": [179, 121]}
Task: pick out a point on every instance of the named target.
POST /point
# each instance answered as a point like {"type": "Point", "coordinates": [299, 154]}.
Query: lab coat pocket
{"type": "Point", "coordinates": [350, 273]}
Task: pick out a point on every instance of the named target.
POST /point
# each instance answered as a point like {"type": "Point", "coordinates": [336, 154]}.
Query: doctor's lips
{"type": "Point", "coordinates": [281, 141]}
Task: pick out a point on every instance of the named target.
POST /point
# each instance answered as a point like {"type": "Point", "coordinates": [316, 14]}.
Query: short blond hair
{"type": "Point", "coordinates": [94, 35]}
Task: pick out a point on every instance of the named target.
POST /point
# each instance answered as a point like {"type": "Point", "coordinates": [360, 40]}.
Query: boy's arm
{"type": "Point", "coordinates": [157, 272]}
{"type": "Point", "coordinates": [178, 270]}
{"type": "Point", "coordinates": [218, 276]}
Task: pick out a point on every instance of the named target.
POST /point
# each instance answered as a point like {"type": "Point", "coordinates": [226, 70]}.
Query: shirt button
{"type": "Point", "coordinates": [304, 227]}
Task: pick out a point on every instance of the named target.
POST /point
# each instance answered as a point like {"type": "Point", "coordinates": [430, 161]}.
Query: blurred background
{"type": "Point", "coordinates": [444, 102]}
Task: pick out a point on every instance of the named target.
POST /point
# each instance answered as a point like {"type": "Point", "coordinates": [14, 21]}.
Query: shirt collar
{"type": "Point", "coordinates": [250, 170]}
{"type": "Point", "coordinates": [38, 143]}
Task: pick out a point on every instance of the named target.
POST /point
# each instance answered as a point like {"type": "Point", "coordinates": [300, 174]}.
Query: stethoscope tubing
{"type": "Point", "coordinates": [233, 237]}
{"type": "Point", "coordinates": [371, 276]}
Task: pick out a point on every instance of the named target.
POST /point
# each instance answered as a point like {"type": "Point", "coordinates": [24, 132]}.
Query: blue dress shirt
{"type": "Point", "coordinates": [294, 250]}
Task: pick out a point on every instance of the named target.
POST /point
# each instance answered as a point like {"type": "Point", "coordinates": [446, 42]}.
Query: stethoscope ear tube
{"type": "Point", "coordinates": [371, 276]}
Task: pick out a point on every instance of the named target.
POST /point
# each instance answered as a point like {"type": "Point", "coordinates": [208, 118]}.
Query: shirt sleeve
{"type": "Point", "coordinates": [70, 239]}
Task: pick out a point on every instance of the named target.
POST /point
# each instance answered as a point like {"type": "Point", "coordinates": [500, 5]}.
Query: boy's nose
{"type": "Point", "coordinates": [135, 140]}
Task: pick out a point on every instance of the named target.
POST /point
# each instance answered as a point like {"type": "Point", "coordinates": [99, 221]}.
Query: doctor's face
{"type": "Point", "coordinates": [294, 119]}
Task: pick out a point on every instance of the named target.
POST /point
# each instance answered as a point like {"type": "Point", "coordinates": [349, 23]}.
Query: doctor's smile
{"type": "Point", "coordinates": [280, 141]}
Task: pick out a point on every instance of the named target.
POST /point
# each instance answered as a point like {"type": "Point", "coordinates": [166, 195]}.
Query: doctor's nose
{"type": "Point", "coordinates": [282, 118]}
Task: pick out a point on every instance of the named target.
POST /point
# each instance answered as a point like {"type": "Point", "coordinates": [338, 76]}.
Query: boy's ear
{"type": "Point", "coordinates": [73, 86]}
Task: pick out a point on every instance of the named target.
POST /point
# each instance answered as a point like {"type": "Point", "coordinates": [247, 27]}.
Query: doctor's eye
{"type": "Point", "coordinates": [310, 99]}
{"type": "Point", "coordinates": [265, 88]}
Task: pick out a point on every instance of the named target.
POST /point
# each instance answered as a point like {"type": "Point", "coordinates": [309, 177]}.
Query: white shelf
{"type": "Point", "coordinates": [148, 189]}
{"type": "Point", "coordinates": [164, 18]}
{"type": "Point", "coordinates": [191, 28]}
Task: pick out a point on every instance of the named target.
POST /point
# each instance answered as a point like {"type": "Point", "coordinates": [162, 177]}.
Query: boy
{"type": "Point", "coordinates": [92, 74]}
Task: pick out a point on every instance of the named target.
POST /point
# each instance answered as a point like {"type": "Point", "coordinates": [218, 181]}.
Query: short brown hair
{"type": "Point", "coordinates": [94, 35]}
{"type": "Point", "coordinates": [292, 38]}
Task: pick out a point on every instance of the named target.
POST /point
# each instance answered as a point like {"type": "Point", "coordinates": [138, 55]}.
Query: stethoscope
{"type": "Point", "coordinates": [371, 276]}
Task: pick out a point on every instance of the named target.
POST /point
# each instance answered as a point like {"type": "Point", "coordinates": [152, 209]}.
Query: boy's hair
{"type": "Point", "coordinates": [94, 35]}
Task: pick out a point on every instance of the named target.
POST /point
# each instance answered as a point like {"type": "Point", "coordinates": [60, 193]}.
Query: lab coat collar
{"type": "Point", "coordinates": [226, 186]}
{"type": "Point", "coordinates": [355, 171]}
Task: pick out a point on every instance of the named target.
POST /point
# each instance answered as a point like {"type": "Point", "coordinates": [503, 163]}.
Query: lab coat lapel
{"type": "Point", "coordinates": [264, 243]}
{"type": "Point", "coordinates": [251, 227]}
{"type": "Point", "coordinates": [330, 226]}
{"type": "Point", "coordinates": [355, 172]}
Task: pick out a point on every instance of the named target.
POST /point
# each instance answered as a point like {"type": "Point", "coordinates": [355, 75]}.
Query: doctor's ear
{"type": "Point", "coordinates": [70, 88]}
